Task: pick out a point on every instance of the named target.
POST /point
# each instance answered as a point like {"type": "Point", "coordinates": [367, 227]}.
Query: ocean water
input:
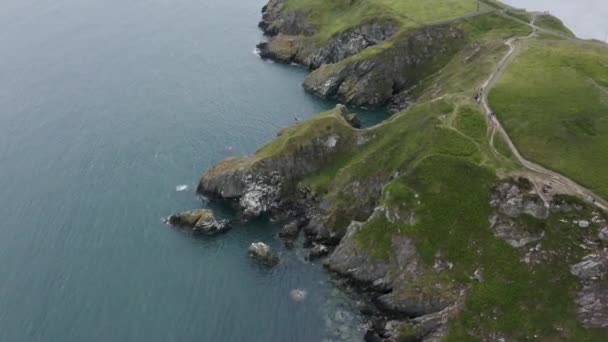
{"type": "Point", "coordinates": [109, 112]}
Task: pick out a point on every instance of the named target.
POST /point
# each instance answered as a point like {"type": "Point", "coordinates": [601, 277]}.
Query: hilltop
{"type": "Point", "coordinates": [476, 211]}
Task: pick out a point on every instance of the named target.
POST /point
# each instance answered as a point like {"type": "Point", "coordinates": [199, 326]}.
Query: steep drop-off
{"type": "Point", "coordinates": [445, 235]}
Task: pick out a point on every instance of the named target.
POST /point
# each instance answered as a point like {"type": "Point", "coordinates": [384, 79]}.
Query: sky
{"type": "Point", "coordinates": [586, 18]}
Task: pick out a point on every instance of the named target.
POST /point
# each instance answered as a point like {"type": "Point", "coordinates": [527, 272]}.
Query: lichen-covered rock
{"type": "Point", "coordinates": [262, 252]}
{"type": "Point", "coordinates": [199, 221]}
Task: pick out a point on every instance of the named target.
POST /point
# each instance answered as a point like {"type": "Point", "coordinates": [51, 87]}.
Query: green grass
{"type": "Point", "coordinates": [319, 126]}
{"type": "Point", "coordinates": [552, 23]}
{"type": "Point", "coordinates": [452, 218]}
{"type": "Point", "coordinates": [471, 122]}
{"type": "Point", "coordinates": [553, 101]}
{"type": "Point", "coordinates": [429, 10]}
{"type": "Point", "coordinates": [332, 17]}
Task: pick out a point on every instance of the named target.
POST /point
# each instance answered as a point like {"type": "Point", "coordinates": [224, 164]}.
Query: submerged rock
{"type": "Point", "coordinates": [199, 221]}
{"type": "Point", "coordinates": [262, 252]}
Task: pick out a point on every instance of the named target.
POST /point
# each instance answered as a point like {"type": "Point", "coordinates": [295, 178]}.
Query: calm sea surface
{"type": "Point", "coordinates": [105, 108]}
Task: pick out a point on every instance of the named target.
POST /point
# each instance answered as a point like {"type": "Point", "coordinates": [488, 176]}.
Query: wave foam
{"type": "Point", "coordinates": [182, 187]}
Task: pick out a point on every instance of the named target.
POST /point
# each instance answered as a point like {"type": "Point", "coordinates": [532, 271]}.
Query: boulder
{"type": "Point", "coordinates": [318, 251]}
{"type": "Point", "coordinates": [262, 252]}
{"type": "Point", "coordinates": [513, 199]}
{"type": "Point", "coordinates": [289, 231]}
{"type": "Point", "coordinates": [603, 234]}
{"type": "Point", "coordinates": [199, 221]}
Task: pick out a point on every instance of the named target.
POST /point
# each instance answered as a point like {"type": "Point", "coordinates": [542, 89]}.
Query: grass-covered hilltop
{"type": "Point", "coordinates": [476, 212]}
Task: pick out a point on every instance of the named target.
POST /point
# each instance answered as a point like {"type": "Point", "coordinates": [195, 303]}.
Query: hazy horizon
{"type": "Point", "coordinates": [586, 18]}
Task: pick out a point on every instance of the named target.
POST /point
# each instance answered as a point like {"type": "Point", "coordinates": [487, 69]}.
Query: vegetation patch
{"type": "Point", "coordinates": [552, 103]}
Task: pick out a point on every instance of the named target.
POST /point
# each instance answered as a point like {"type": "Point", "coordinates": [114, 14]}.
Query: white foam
{"type": "Point", "coordinates": [256, 51]}
{"type": "Point", "coordinates": [182, 187]}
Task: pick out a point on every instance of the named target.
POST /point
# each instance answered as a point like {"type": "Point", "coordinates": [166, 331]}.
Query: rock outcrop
{"type": "Point", "coordinates": [374, 80]}
{"type": "Point", "coordinates": [265, 182]}
{"type": "Point", "coordinates": [289, 43]}
{"type": "Point", "coordinates": [262, 252]}
{"type": "Point", "coordinates": [199, 221]}
{"type": "Point", "coordinates": [393, 281]}
{"type": "Point", "coordinates": [592, 299]}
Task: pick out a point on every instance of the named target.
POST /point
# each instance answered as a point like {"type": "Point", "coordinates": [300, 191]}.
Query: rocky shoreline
{"type": "Point", "coordinates": [406, 299]}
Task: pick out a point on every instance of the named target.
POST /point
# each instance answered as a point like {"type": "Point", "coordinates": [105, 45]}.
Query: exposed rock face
{"type": "Point", "coordinates": [592, 299]}
{"type": "Point", "coordinates": [375, 80]}
{"type": "Point", "coordinates": [516, 236]}
{"type": "Point", "coordinates": [262, 252]}
{"type": "Point", "coordinates": [318, 251]}
{"type": "Point", "coordinates": [288, 44]}
{"type": "Point", "coordinates": [290, 230]}
{"type": "Point", "coordinates": [352, 42]}
{"type": "Point", "coordinates": [262, 184]}
{"type": "Point", "coordinates": [276, 19]}
{"type": "Point", "coordinates": [514, 200]}
{"type": "Point", "coordinates": [199, 221]}
{"type": "Point", "coordinates": [394, 282]}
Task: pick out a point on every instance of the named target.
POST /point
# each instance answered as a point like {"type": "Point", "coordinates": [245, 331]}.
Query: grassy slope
{"type": "Point", "coordinates": [553, 101]}
{"type": "Point", "coordinates": [438, 146]}
{"type": "Point", "coordinates": [336, 16]}
{"type": "Point", "coordinates": [552, 23]}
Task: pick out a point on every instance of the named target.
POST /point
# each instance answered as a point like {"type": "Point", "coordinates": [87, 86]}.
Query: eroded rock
{"type": "Point", "coordinates": [263, 253]}
{"type": "Point", "coordinates": [513, 200]}
{"type": "Point", "coordinates": [199, 221]}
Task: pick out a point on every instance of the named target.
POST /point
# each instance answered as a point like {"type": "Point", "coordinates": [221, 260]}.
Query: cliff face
{"type": "Point", "coordinates": [371, 80]}
{"type": "Point", "coordinates": [290, 42]}
{"type": "Point", "coordinates": [375, 80]}
{"type": "Point", "coordinates": [413, 212]}
{"type": "Point", "coordinates": [260, 182]}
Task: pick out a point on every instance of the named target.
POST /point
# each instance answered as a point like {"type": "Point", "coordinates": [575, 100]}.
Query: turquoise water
{"type": "Point", "coordinates": [106, 107]}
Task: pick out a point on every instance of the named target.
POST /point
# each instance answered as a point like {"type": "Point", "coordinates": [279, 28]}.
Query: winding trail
{"type": "Point", "coordinates": [558, 182]}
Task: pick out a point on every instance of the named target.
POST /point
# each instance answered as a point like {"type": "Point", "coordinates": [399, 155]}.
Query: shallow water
{"type": "Point", "coordinates": [109, 112]}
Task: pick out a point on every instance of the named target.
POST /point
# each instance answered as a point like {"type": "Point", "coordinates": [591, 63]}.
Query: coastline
{"type": "Point", "coordinates": [406, 298]}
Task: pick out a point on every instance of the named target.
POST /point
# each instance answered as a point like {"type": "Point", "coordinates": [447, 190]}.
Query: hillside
{"type": "Point", "coordinates": [432, 215]}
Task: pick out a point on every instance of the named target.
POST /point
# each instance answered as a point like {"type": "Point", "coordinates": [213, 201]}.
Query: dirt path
{"type": "Point", "coordinates": [540, 175]}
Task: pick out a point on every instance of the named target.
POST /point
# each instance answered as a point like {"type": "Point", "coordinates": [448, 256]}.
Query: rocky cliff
{"type": "Point", "coordinates": [433, 226]}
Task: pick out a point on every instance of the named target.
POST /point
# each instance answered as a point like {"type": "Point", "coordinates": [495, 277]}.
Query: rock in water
{"type": "Point", "coordinates": [318, 251]}
{"type": "Point", "coordinates": [199, 221]}
{"type": "Point", "coordinates": [262, 252]}
{"type": "Point", "coordinates": [297, 294]}
{"type": "Point", "coordinates": [289, 231]}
